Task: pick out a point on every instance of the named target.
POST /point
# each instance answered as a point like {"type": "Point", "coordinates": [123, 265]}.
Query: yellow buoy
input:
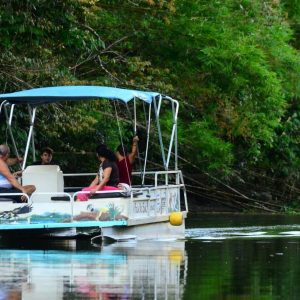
{"type": "Point", "coordinates": [176, 218]}
{"type": "Point", "coordinates": [175, 256]}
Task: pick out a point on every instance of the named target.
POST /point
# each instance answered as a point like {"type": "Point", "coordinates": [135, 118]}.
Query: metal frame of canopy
{"type": "Point", "coordinates": [41, 96]}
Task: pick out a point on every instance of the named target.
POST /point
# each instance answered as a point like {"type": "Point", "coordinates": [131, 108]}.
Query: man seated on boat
{"type": "Point", "coordinates": [11, 161]}
{"type": "Point", "coordinates": [14, 160]}
{"type": "Point", "coordinates": [125, 160]}
{"type": "Point", "coordinates": [8, 182]}
{"type": "Point", "coordinates": [46, 157]}
{"type": "Point", "coordinates": [107, 178]}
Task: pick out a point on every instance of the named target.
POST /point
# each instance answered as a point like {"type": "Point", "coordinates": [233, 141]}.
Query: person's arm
{"type": "Point", "coordinates": [4, 170]}
{"type": "Point", "coordinates": [106, 177]}
{"type": "Point", "coordinates": [13, 161]}
{"type": "Point", "coordinates": [95, 181]}
{"type": "Point", "coordinates": [18, 174]}
{"type": "Point", "coordinates": [132, 155]}
{"type": "Point", "coordinates": [118, 156]}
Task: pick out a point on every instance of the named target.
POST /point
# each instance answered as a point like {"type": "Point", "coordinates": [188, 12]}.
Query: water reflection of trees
{"type": "Point", "coordinates": [248, 269]}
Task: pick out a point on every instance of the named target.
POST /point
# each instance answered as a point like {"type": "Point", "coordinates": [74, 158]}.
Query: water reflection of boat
{"type": "Point", "coordinates": [141, 270]}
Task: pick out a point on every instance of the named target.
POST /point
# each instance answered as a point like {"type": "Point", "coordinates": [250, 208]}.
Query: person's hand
{"type": "Point", "coordinates": [23, 197]}
{"type": "Point", "coordinates": [18, 173]}
{"type": "Point", "coordinates": [93, 191]}
{"type": "Point", "coordinates": [135, 139]}
{"type": "Point", "coordinates": [20, 159]}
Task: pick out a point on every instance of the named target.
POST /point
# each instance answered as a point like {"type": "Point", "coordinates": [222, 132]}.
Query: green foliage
{"type": "Point", "coordinates": [286, 151]}
{"type": "Point", "coordinates": [233, 65]}
{"type": "Point", "coordinates": [292, 11]}
{"type": "Point", "coordinates": [211, 152]}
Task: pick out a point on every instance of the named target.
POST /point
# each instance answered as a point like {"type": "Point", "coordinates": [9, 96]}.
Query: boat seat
{"type": "Point", "coordinates": [135, 194]}
{"type": "Point", "coordinates": [46, 178]}
{"type": "Point", "coordinates": [109, 195]}
{"type": "Point", "coordinates": [60, 198]}
{"type": "Point", "coordinates": [98, 196]}
{"type": "Point", "coordinates": [112, 194]}
{"type": "Point", "coordinates": [115, 195]}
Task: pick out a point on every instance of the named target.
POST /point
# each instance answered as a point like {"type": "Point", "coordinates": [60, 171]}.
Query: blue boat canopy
{"type": "Point", "coordinates": [73, 93]}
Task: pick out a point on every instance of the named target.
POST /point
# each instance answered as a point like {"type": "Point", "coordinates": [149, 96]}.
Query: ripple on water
{"type": "Point", "coordinates": [242, 232]}
{"type": "Point", "coordinates": [209, 238]}
{"type": "Point", "coordinates": [294, 233]}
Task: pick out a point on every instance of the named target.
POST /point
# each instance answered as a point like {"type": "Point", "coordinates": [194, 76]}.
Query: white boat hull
{"type": "Point", "coordinates": [142, 217]}
{"type": "Point", "coordinates": [160, 230]}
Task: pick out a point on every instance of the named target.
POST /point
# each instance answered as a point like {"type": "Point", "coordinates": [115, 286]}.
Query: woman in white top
{"type": "Point", "coordinates": [8, 183]}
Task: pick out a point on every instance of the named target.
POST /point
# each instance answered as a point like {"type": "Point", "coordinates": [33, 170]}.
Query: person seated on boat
{"type": "Point", "coordinates": [8, 183]}
{"type": "Point", "coordinates": [125, 160]}
{"type": "Point", "coordinates": [11, 161]}
{"type": "Point", "coordinates": [14, 160]}
{"type": "Point", "coordinates": [46, 157]}
{"type": "Point", "coordinates": [107, 178]}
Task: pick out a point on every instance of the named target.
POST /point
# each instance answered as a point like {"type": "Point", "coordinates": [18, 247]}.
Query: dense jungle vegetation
{"type": "Point", "coordinates": [234, 66]}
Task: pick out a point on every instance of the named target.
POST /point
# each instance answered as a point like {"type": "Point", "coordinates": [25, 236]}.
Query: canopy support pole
{"type": "Point", "coordinates": [2, 104]}
{"type": "Point", "coordinates": [134, 111]}
{"type": "Point", "coordinates": [32, 137]}
{"type": "Point", "coordinates": [157, 111]}
{"type": "Point", "coordinates": [147, 145]}
{"type": "Point", "coordinates": [174, 128]}
{"type": "Point", "coordinates": [176, 140]}
{"type": "Point", "coordinates": [175, 147]}
{"type": "Point", "coordinates": [9, 123]}
{"type": "Point", "coordinates": [29, 137]}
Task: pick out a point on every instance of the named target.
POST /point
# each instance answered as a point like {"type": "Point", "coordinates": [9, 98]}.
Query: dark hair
{"type": "Point", "coordinates": [103, 151]}
{"type": "Point", "coordinates": [122, 149]}
{"type": "Point", "coordinates": [99, 147]}
{"type": "Point", "coordinates": [48, 150]}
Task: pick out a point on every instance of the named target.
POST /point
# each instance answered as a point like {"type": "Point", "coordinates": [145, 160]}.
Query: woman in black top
{"type": "Point", "coordinates": [108, 176]}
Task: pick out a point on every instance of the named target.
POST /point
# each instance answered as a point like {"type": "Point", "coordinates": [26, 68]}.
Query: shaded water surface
{"type": "Point", "coordinates": [222, 257]}
{"type": "Point", "coordinates": [243, 257]}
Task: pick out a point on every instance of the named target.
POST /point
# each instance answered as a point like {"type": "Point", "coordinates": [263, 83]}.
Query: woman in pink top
{"type": "Point", "coordinates": [125, 161]}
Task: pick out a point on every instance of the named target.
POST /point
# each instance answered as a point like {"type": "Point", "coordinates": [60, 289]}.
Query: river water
{"type": "Point", "coordinates": [222, 257]}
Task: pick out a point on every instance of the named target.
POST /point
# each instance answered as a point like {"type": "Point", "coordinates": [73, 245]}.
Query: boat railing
{"type": "Point", "coordinates": [167, 179]}
{"type": "Point", "coordinates": [152, 176]}
{"type": "Point", "coordinates": [10, 195]}
{"type": "Point", "coordinates": [161, 179]}
{"type": "Point", "coordinates": [79, 174]}
{"type": "Point", "coordinates": [164, 181]}
{"type": "Point", "coordinates": [53, 196]}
